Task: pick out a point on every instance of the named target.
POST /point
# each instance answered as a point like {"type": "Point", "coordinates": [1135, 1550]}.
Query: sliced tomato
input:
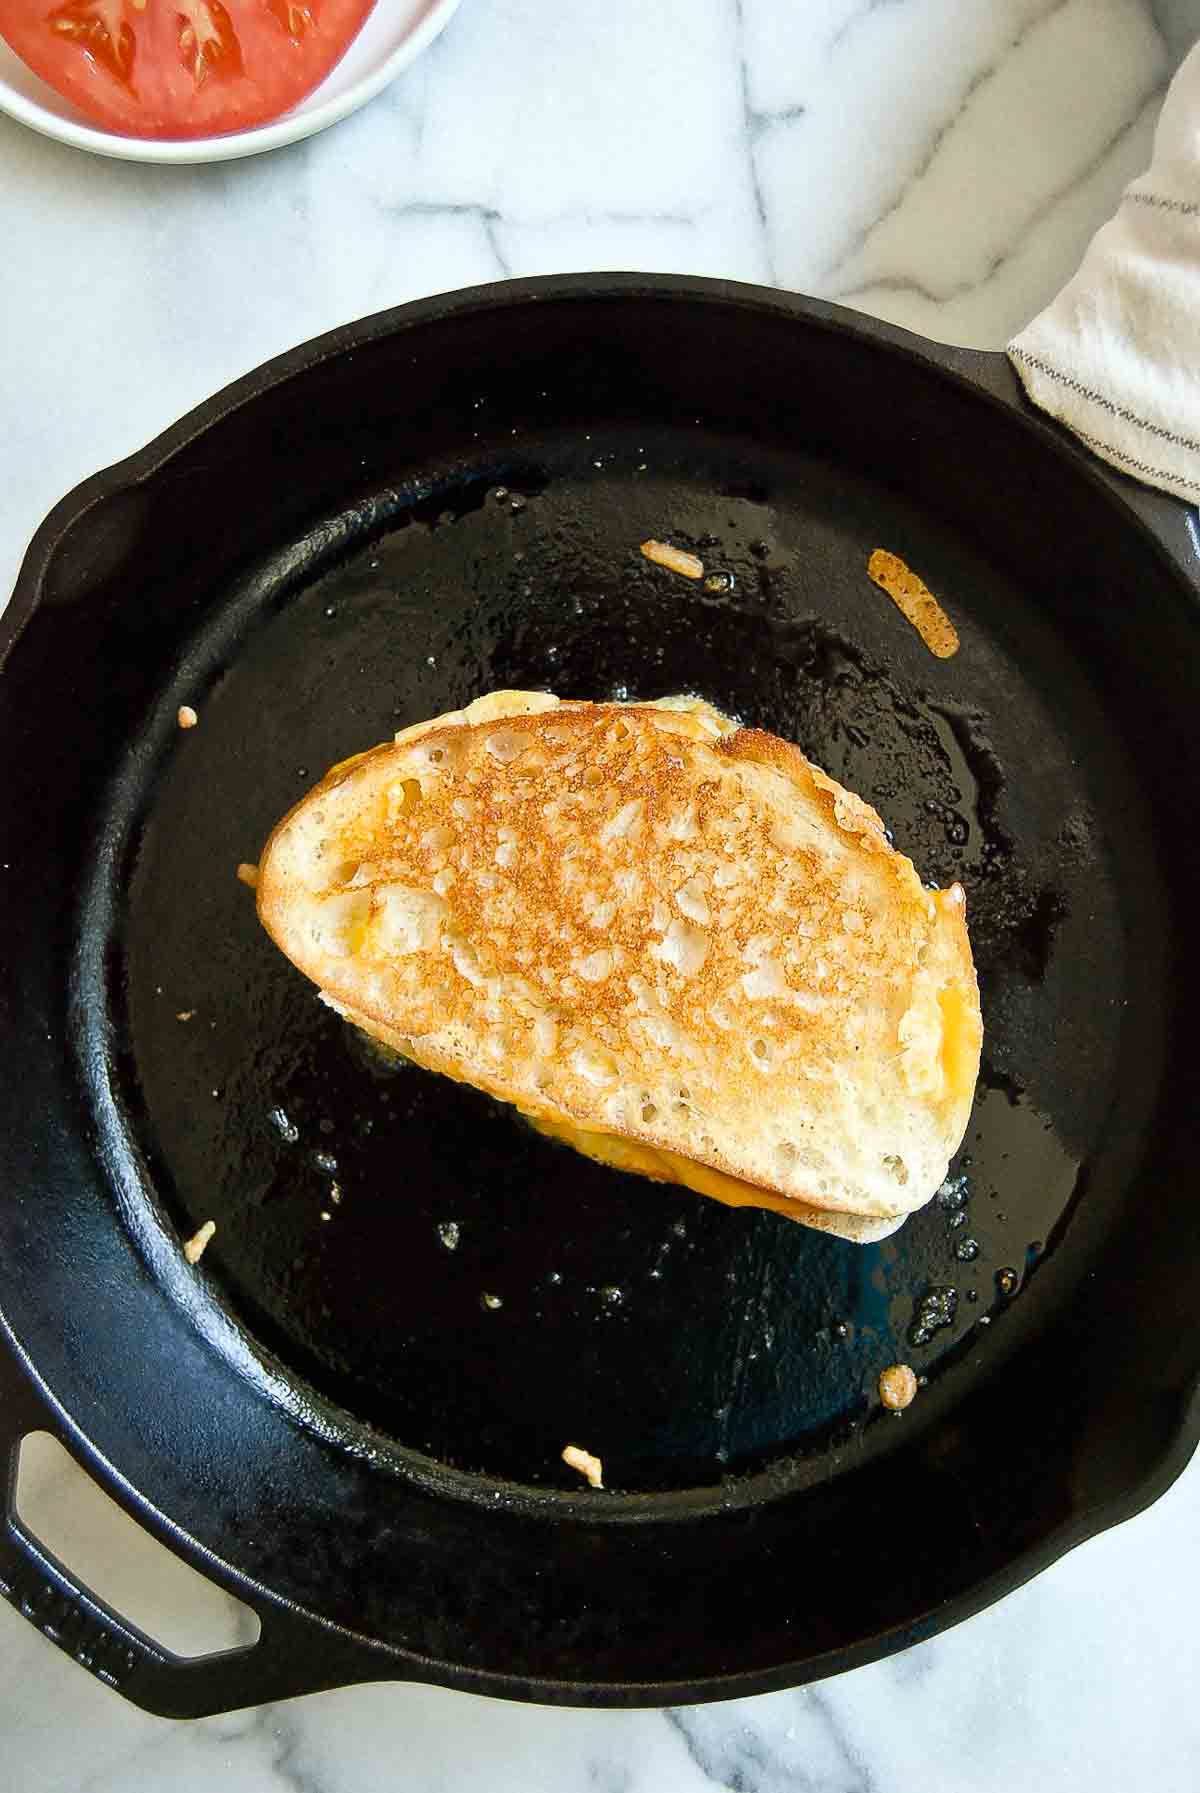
{"type": "Point", "coordinates": [181, 68]}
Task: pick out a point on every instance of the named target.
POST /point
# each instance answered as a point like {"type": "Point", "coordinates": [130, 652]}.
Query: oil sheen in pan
{"type": "Point", "coordinates": [407, 1246]}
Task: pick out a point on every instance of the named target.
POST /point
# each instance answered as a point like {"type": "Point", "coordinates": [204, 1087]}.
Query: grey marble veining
{"type": "Point", "coordinates": [935, 162]}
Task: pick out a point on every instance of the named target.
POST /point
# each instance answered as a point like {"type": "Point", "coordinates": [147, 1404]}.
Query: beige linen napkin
{"type": "Point", "coordinates": [1116, 356]}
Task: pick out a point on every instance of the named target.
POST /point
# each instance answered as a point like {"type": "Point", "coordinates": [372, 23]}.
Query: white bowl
{"type": "Point", "coordinates": [393, 34]}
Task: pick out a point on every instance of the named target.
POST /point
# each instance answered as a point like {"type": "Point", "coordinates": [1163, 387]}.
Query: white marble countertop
{"type": "Point", "coordinates": [937, 162]}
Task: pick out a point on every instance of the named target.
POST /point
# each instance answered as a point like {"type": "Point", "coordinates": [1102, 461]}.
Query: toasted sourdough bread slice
{"type": "Point", "coordinates": [671, 941]}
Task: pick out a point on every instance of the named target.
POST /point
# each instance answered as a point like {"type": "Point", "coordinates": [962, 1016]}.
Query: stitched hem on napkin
{"type": "Point", "coordinates": [1039, 378]}
{"type": "Point", "coordinates": [1116, 356]}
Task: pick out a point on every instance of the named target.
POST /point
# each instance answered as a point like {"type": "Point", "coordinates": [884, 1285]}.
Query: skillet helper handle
{"type": "Point", "coordinates": [1174, 524]}
{"type": "Point", "coordinates": [294, 1653]}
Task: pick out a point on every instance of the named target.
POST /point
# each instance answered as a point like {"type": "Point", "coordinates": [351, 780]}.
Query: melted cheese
{"type": "Point", "coordinates": [958, 1008]}
{"type": "Point", "coordinates": [662, 1167]}
{"type": "Point", "coordinates": [960, 1043]}
{"type": "Point", "coordinates": [345, 765]}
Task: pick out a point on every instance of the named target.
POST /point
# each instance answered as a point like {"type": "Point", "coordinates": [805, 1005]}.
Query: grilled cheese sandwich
{"type": "Point", "coordinates": [673, 943]}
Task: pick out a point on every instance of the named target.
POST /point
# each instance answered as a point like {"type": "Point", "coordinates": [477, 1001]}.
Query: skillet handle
{"type": "Point", "coordinates": [294, 1653]}
{"type": "Point", "coordinates": [1173, 524]}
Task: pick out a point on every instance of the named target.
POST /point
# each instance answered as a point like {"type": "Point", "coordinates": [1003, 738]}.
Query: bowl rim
{"type": "Point", "coordinates": [183, 151]}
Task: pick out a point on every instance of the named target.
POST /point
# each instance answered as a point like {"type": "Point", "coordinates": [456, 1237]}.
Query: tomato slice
{"type": "Point", "coordinates": [181, 68]}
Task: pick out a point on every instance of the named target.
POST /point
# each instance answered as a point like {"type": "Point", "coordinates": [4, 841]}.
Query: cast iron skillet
{"type": "Point", "coordinates": [327, 1415]}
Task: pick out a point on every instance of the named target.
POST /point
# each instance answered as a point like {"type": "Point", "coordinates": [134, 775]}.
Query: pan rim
{"type": "Point", "coordinates": [984, 374]}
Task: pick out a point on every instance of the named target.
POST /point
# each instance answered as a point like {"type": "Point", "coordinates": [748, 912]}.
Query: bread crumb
{"type": "Point", "coordinates": [187, 717]}
{"type": "Point", "coordinates": [898, 1387]}
{"type": "Point", "coordinates": [195, 1247]}
{"type": "Point", "coordinates": [587, 1465]}
{"type": "Point", "coordinates": [248, 875]}
{"type": "Point", "coordinates": [915, 602]}
{"type": "Point", "coordinates": [676, 560]}
{"type": "Point", "coordinates": [185, 1014]}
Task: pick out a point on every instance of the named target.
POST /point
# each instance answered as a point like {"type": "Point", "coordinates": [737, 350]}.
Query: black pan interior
{"type": "Point", "coordinates": [415, 1274]}
{"type": "Point", "coordinates": [414, 1249]}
